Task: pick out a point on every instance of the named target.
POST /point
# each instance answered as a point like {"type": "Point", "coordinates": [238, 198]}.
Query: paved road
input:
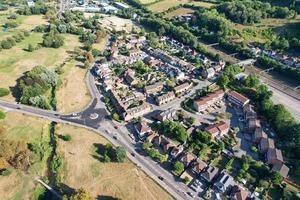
{"type": "Point", "coordinates": [106, 128]}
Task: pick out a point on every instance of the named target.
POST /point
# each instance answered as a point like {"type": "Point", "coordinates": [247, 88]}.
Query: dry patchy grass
{"type": "Point", "coordinates": [202, 4]}
{"type": "Point", "coordinates": [73, 95]}
{"type": "Point", "coordinates": [122, 180]}
{"type": "Point", "coordinates": [15, 61]}
{"type": "Point", "coordinates": [19, 127]}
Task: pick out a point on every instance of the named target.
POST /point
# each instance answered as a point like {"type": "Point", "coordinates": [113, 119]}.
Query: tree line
{"type": "Point", "coordinates": [252, 11]}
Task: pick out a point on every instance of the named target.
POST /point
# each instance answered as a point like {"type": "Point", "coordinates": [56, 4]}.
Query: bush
{"type": "Point", "coordinates": [66, 137]}
{"type": "Point", "coordinates": [4, 92]}
{"type": "Point", "coordinates": [5, 172]}
{"type": "Point", "coordinates": [2, 115]}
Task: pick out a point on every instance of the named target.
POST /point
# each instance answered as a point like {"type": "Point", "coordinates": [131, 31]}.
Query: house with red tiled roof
{"type": "Point", "coordinates": [142, 128]}
{"type": "Point", "coordinates": [186, 158]}
{"type": "Point", "coordinates": [219, 129]}
{"type": "Point", "coordinates": [237, 99]}
{"type": "Point", "coordinates": [166, 145]}
{"type": "Point", "coordinates": [150, 136]}
{"type": "Point", "coordinates": [199, 166]}
{"type": "Point", "coordinates": [204, 102]}
{"type": "Point", "coordinates": [238, 193]}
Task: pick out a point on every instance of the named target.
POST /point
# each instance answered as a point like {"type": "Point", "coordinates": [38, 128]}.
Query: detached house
{"type": "Point", "coordinates": [199, 166]}
{"type": "Point", "coordinates": [238, 193]}
{"type": "Point", "coordinates": [187, 158]}
{"type": "Point", "coordinates": [176, 151]}
{"type": "Point", "coordinates": [142, 129]}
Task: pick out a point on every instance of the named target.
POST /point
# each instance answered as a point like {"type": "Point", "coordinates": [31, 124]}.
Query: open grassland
{"type": "Point", "coordinates": [178, 12]}
{"type": "Point", "coordinates": [73, 94]}
{"type": "Point", "coordinates": [83, 169]}
{"type": "Point", "coordinates": [257, 32]}
{"type": "Point", "coordinates": [166, 4]}
{"type": "Point", "coordinates": [202, 4]}
{"type": "Point", "coordinates": [24, 23]}
{"type": "Point", "coordinates": [15, 61]}
{"type": "Point", "coordinates": [18, 127]}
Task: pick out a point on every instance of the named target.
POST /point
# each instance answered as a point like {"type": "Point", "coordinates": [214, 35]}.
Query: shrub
{"type": "Point", "coordinates": [66, 137]}
{"type": "Point", "coordinates": [4, 92]}
{"type": "Point", "coordinates": [2, 115]}
{"type": "Point", "coordinates": [5, 172]}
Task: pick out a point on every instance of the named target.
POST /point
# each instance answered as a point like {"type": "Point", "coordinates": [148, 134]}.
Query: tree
{"type": "Point", "coordinates": [223, 81]}
{"type": "Point", "coordinates": [30, 48]}
{"type": "Point", "coordinates": [147, 145]}
{"type": "Point", "coordinates": [53, 39]}
{"type": "Point", "coordinates": [252, 81]}
{"type": "Point", "coordinates": [81, 194]}
{"type": "Point", "coordinates": [276, 178]}
{"type": "Point", "coordinates": [161, 31]}
{"type": "Point", "coordinates": [120, 154]}
{"type": "Point", "coordinates": [178, 168]}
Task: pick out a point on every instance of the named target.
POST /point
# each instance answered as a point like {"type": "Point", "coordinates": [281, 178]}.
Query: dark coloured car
{"type": "Point", "coordinates": [161, 178]}
{"type": "Point", "coordinates": [115, 137]}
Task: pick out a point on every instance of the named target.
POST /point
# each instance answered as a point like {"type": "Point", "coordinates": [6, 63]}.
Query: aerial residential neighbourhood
{"type": "Point", "coordinates": [149, 99]}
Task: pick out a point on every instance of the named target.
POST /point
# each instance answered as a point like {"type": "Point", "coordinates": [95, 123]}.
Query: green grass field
{"type": "Point", "coordinates": [166, 4]}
